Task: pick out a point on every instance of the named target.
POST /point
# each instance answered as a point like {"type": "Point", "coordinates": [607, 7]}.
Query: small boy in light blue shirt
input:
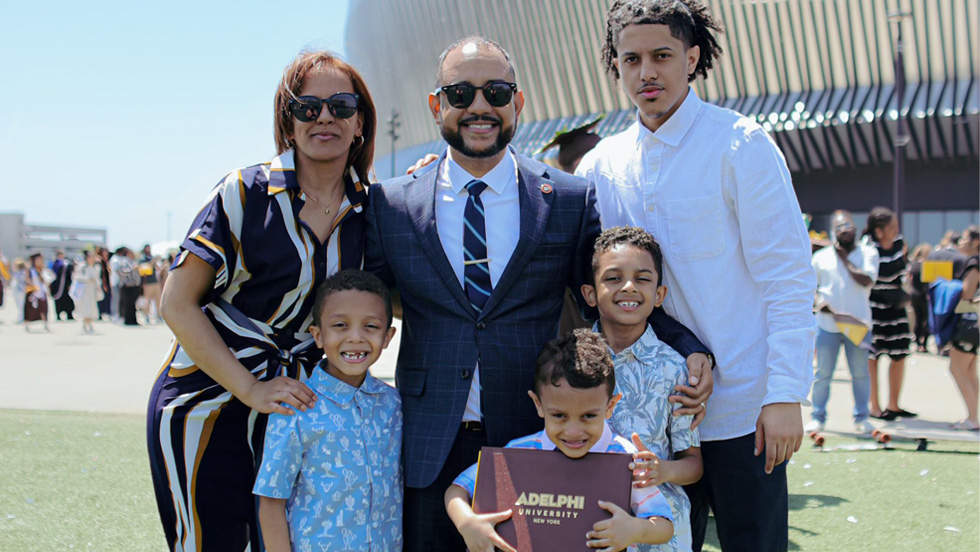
{"type": "Point", "coordinates": [627, 265]}
{"type": "Point", "coordinates": [573, 392]}
{"type": "Point", "coordinates": [331, 476]}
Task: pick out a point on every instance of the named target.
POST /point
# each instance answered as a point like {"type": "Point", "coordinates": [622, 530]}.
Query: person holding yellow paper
{"type": "Point", "coordinates": [845, 271]}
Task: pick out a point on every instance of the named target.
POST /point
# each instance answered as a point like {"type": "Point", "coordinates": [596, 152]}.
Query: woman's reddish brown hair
{"type": "Point", "coordinates": [361, 154]}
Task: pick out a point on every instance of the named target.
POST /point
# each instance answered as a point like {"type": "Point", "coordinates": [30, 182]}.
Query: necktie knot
{"type": "Point", "coordinates": [475, 187]}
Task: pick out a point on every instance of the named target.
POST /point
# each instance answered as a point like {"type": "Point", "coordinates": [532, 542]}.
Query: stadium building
{"type": "Point", "coordinates": [819, 75]}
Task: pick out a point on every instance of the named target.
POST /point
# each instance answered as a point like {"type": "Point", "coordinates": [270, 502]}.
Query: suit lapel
{"type": "Point", "coordinates": [535, 207]}
{"type": "Point", "coordinates": [420, 199]}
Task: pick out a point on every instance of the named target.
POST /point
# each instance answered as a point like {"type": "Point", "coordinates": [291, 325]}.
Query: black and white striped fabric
{"type": "Point", "coordinates": [891, 332]}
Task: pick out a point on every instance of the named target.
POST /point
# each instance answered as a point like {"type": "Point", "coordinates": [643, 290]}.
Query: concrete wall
{"type": "Point", "coordinates": [18, 239]}
{"type": "Point", "coordinates": [939, 196]}
{"type": "Point", "coordinates": [10, 235]}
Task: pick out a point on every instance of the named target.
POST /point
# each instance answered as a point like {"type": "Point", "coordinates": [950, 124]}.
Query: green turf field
{"type": "Point", "coordinates": [81, 482]}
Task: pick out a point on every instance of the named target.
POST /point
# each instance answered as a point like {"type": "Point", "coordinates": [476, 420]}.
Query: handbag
{"type": "Point", "coordinates": [944, 295]}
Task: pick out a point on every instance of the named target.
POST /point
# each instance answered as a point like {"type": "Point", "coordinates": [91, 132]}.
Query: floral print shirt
{"type": "Point", "coordinates": [646, 373]}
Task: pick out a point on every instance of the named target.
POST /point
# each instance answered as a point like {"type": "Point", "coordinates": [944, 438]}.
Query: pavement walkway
{"type": "Point", "coordinates": [113, 370]}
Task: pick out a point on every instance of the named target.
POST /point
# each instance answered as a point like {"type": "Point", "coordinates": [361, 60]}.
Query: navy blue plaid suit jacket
{"type": "Point", "coordinates": [443, 336]}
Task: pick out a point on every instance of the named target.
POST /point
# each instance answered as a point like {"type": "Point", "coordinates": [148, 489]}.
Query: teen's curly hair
{"type": "Point", "coordinates": [628, 235]}
{"type": "Point", "coordinates": [690, 21]}
{"type": "Point", "coordinates": [580, 357]}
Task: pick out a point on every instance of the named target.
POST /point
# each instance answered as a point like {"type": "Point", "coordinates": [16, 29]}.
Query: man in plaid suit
{"type": "Point", "coordinates": [480, 246]}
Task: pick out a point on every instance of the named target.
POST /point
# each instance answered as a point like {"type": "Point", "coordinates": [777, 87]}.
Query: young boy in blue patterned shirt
{"type": "Point", "coordinates": [331, 476]}
{"type": "Point", "coordinates": [626, 268]}
{"type": "Point", "coordinates": [573, 391]}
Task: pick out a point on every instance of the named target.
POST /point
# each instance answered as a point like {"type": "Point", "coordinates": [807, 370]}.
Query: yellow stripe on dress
{"type": "Point", "coordinates": [241, 189]}
{"type": "Point", "coordinates": [196, 236]}
{"type": "Point", "coordinates": [170, 358]}
{"type": "Point", "coordinates": [181, 372]}
{"type": "Point", "coordinates": [202, 445]}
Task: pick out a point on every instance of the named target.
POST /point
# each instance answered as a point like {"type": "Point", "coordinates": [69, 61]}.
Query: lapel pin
{"type": "Point", "coordinates": [546, 188]}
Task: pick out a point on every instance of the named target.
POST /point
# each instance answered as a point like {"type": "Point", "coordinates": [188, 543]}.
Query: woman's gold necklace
{"type": "Point", "coordinates": [326, 208]}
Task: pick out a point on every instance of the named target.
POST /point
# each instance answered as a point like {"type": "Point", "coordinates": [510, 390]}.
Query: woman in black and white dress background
{"type": "Point", "coordinates": [891, 333]}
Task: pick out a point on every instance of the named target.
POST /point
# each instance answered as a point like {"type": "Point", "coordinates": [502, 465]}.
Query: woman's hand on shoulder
{"type": "Point", "coordinates": [277, 395]}
{"type": "Point", "coordinates": [428, 159]}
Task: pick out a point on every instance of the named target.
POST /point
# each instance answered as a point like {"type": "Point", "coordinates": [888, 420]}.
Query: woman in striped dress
{"type": "Point", "coordinates": [890, 331]}
{"type": "Point", "coordinates": [266, 237]}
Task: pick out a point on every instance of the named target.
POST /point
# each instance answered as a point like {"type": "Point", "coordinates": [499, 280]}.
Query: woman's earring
{"type": "Point", "coordinates": [358, 140]}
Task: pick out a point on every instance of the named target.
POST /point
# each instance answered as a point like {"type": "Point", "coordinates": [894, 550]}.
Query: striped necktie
{"type": "Point", "coordinates": [476, 265]}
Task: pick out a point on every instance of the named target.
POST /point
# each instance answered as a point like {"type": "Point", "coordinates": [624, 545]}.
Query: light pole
{"type": "Point", "coordinates": [901, 135]}
{"type": "Point", "coordinates": [393, 124]}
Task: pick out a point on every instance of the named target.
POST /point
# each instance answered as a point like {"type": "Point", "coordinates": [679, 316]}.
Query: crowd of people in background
{"type": "Point", "coordinates": [901, 300]}
{"type": "Point", "coordinates": [118, 286]}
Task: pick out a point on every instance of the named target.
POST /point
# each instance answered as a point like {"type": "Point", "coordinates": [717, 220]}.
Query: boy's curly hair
{"type": "Point", "coordinates": [350, 279]}
{"type": "Point", "coordinates": [690, 21]}
{"type": "Point", "coordinates": [580, 357]}
{"type": "Point", "coordinates": [628, 235]}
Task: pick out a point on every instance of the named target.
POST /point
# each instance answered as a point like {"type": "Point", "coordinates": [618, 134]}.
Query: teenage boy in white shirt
{"type": "Point", "coordinates": [715, 191]}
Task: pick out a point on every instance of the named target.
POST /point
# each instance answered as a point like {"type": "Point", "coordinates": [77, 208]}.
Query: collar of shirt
{"type": "Point", "coordinates": [639, 350]}
{"type": "Point", "coordinates": [499, 179]}
{"type": "Point", "coordinates": [602, 445]}
{"type": "Point", "coordinates": [674, 128]}
{"type": "Point", "coordinates": [338, 391]}
{"type": "Point", "coordinates": [282, 176]}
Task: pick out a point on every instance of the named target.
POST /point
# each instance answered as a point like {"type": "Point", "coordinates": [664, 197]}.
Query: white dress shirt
{"type": "Point", "coordinates": [501, 205]}
{"type": "Point", "coordinates": [714, 190]}
{"type": "Point", "coordinates": [837, 287]}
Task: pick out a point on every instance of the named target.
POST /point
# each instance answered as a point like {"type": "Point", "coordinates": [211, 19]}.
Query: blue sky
{"type": "Point", "coordinates": [114, 114]}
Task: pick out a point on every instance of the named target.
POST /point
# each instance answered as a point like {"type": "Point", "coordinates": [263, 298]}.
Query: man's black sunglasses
{"type": "Point", "coordinates": [461, 96]}
{"type": "Point", "coordinates": [307, 108]}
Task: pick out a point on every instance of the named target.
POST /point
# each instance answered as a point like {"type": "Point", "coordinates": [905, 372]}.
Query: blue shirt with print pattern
{"type": "Point", "coordinates": [338, 465]}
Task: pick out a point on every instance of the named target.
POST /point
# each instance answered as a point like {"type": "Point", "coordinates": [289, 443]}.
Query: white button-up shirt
{"type": "Point", "coordinates": [837, 287]}
{"type": "Point", "coordinates": [501, 205]}
{"type": "Point", "coordinates": [714, 190]}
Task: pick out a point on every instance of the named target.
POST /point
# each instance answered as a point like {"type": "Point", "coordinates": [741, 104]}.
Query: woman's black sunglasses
{"type": "Point", "coordinates": [461, 96]}
{"type": "Point", "coordinates": [307, 108]}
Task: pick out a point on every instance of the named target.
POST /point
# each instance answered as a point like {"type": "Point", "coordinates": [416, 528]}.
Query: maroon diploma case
{"type": "Point", "coordinates": [554, 498]}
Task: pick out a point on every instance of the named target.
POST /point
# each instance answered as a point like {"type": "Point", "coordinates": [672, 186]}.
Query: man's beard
{"type": "Point", "coordinates": [846, 241]}
{"type": "Point", "coordinates": [455, 139]}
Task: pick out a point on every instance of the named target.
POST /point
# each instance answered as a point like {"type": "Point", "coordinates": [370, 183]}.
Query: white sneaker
{"type": "Point", "coordinates": [813, 426]}
{"type": "Point", "coordinates": [863, 427]}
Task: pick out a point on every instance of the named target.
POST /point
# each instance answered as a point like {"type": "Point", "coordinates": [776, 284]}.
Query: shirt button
{"type": "Point", "coordinates": [481, 326]}
{"type": "Point", "coordinates": [650, 208]}
{"type": "Point", "coordinates": [465, 374]}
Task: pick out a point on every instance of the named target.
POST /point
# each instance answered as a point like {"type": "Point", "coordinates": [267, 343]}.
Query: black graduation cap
{"type": "Point", "coordinates": [573, 144]}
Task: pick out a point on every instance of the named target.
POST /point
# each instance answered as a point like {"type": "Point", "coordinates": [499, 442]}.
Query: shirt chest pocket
{"type": "Point", "coordinates": [696, 227]}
